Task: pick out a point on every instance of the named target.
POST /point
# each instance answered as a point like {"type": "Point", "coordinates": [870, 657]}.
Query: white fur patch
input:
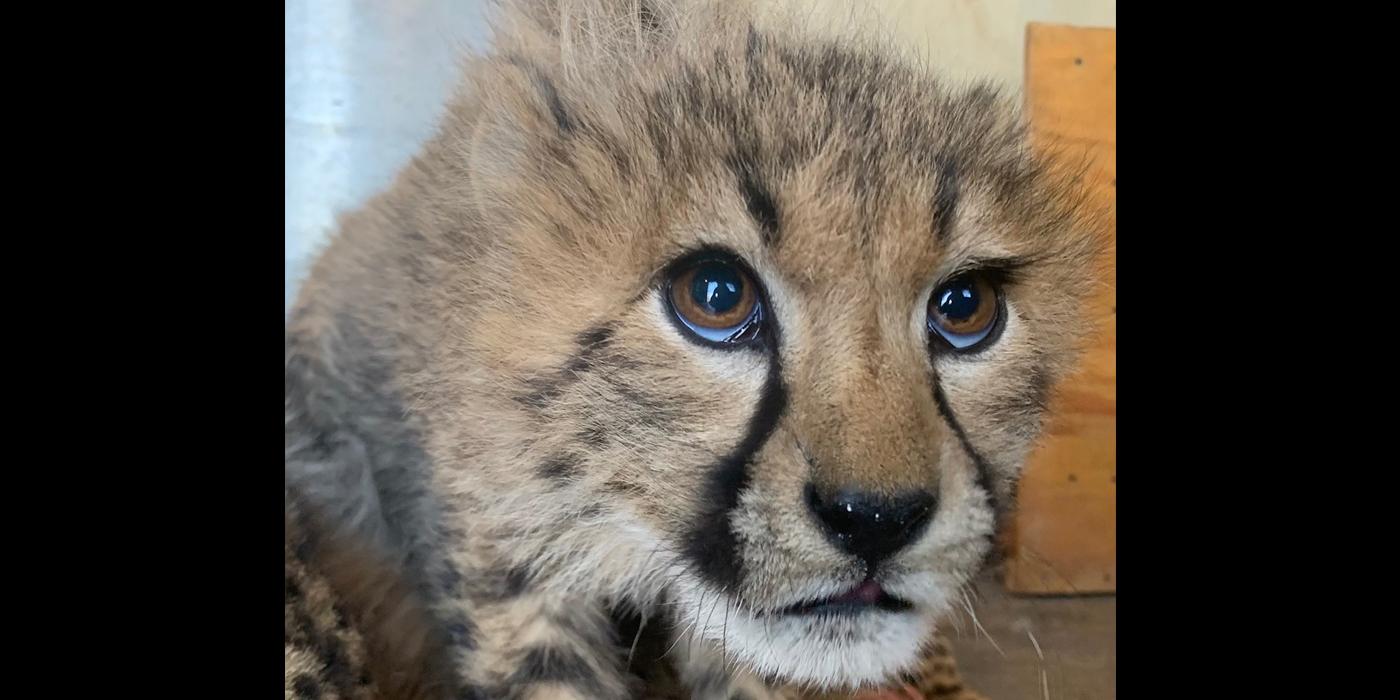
{"type": "Point", "coordinates": [826, 651]}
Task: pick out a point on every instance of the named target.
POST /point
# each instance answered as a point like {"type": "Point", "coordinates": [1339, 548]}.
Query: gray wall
{"type": "Point", "coordinates": [364, 82]}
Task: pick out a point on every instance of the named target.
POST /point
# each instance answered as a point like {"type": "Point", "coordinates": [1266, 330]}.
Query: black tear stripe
{"type": "Point", "coordinates": [712, 544]}
{"type": "Point", "coordinates": [947, 191]}
{"type": "Point", "coordinates": [984, 472]}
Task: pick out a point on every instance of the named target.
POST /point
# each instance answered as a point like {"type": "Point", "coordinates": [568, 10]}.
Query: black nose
{"type": "Point", "coordinates": [871, 527]}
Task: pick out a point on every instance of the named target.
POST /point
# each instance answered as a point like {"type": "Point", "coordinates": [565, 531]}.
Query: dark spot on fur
{"type": "Point", "coordinates": [544, 390]}
{"type": "Point", "coordinates": [594, 337]}
{"type": "Point", "coordinates": [753, 43]}
{"type": "Point", "coordinates": [648, 18]}
{"type": "Point", "coordinates": [618, 485]}
{"type": "Point", "coordinates": [591, 343]}
{"type": "Point", "coordinates": [651, 409]}
{"type": "Point", "coordinates": [740, 695]}
{"type": "Point", "coordinates": [559, 469]}
{"type": "Point", "coordinates": [304, 550]}
{"type": "Point", "coordinates": [757, 198]}
{"type": "Point", "coordinates": [712, 544]}
{"type": "Point", "coordinates": [1025, 408]}
{"type": "Point", "coordinates": [517, 579]}
{"type": "Point", "coordinates": [471, 692]}
{"type": "Point", "coordinates": [945, 198]}
{"type": "Point", "coordinates": [500, 584]}
{"type": "Point", "coordinates": [553, 665]}
{"type": "Point", "coordinates": [946, 688]}
{"type": "Point", "coordinates": [461, 632]}
{"type": "Point", "coordinates": [332, 654]}
{"type": "Point", "coordinates": [622, 161]}
{"type": "Point", "coordinates": [450, 579]}
{"type": "Point", "coordinates": [594, 435]}
{"type": "Point", "coordinates": [301, 630]}
{"type": "Point", "coordinates": [1039, 393]}
{"type": "Point", "coordinates": [306, 687]}
{"type": "Point", "coordinates": [556, 103]}
{"type": "Point", "coordinates": [342, 620]}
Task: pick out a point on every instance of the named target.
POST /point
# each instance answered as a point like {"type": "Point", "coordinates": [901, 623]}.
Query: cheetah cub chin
{"type": "Point", "coordinates": [687, 317]}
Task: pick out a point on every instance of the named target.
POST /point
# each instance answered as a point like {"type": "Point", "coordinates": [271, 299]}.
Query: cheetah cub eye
{"type": "Point", "coordinates": [715, 300]}
{"type": "Point", "coordinates": [966, 313]}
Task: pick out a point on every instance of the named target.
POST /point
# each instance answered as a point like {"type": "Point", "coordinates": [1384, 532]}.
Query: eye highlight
{"type": "Point", "coordinates": [715, 299]}
{"type": "Point", "coordinates": [964, 312]}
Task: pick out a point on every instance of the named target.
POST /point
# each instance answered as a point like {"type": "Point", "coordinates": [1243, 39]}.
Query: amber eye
{"type": "Point", "coordinates": [716, 300]}
{"type": "Point", "coordinates": [964, 310]}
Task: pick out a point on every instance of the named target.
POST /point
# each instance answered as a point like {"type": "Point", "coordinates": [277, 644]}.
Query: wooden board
{"type": "Point", "coordinates": [1063, 537]}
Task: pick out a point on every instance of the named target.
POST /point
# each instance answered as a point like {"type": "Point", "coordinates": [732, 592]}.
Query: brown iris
{"type": "Point", "coordinates": [964, 310]}
{"type": "Point", "coordinates": [714, 298]}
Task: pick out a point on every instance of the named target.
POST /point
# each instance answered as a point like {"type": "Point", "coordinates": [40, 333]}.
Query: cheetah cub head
{"type": "Point", "coordinates": [745, 329]}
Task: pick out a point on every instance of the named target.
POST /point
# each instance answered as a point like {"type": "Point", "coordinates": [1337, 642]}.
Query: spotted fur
{"type": "Point", "coordinates": [354, 625]}
{"type": "Point", "coordinates": [483, 382]}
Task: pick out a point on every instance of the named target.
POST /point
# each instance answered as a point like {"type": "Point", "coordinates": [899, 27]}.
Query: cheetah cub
{"type": "Point", "coordinates": [687, 323]}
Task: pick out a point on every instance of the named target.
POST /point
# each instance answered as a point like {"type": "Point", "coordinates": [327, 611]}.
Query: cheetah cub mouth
{"type": "Point", "coordinates": [868, 596]}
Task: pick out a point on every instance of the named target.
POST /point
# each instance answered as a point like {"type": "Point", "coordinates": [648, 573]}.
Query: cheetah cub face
{"type": "Point", "coordinates": [792, 310]}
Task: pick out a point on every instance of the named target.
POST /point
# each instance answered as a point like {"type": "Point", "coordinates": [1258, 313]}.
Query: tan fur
{"type": "Point", "coordinates": [481, 372]}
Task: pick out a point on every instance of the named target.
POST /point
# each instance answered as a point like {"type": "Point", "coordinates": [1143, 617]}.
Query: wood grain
{"type": "Point", "coordinates": [1063, 537]}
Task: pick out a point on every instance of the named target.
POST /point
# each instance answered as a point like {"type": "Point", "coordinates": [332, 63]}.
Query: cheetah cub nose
{"type": "Point", "coordinates": [871, 526]}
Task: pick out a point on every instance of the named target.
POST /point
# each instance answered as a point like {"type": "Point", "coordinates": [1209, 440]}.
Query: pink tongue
{"type": "Point", "coordinates": [868, 592]}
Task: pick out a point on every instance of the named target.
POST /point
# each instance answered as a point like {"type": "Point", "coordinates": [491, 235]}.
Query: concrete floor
{"type": "Point", "coordinates": [1077, 636]}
